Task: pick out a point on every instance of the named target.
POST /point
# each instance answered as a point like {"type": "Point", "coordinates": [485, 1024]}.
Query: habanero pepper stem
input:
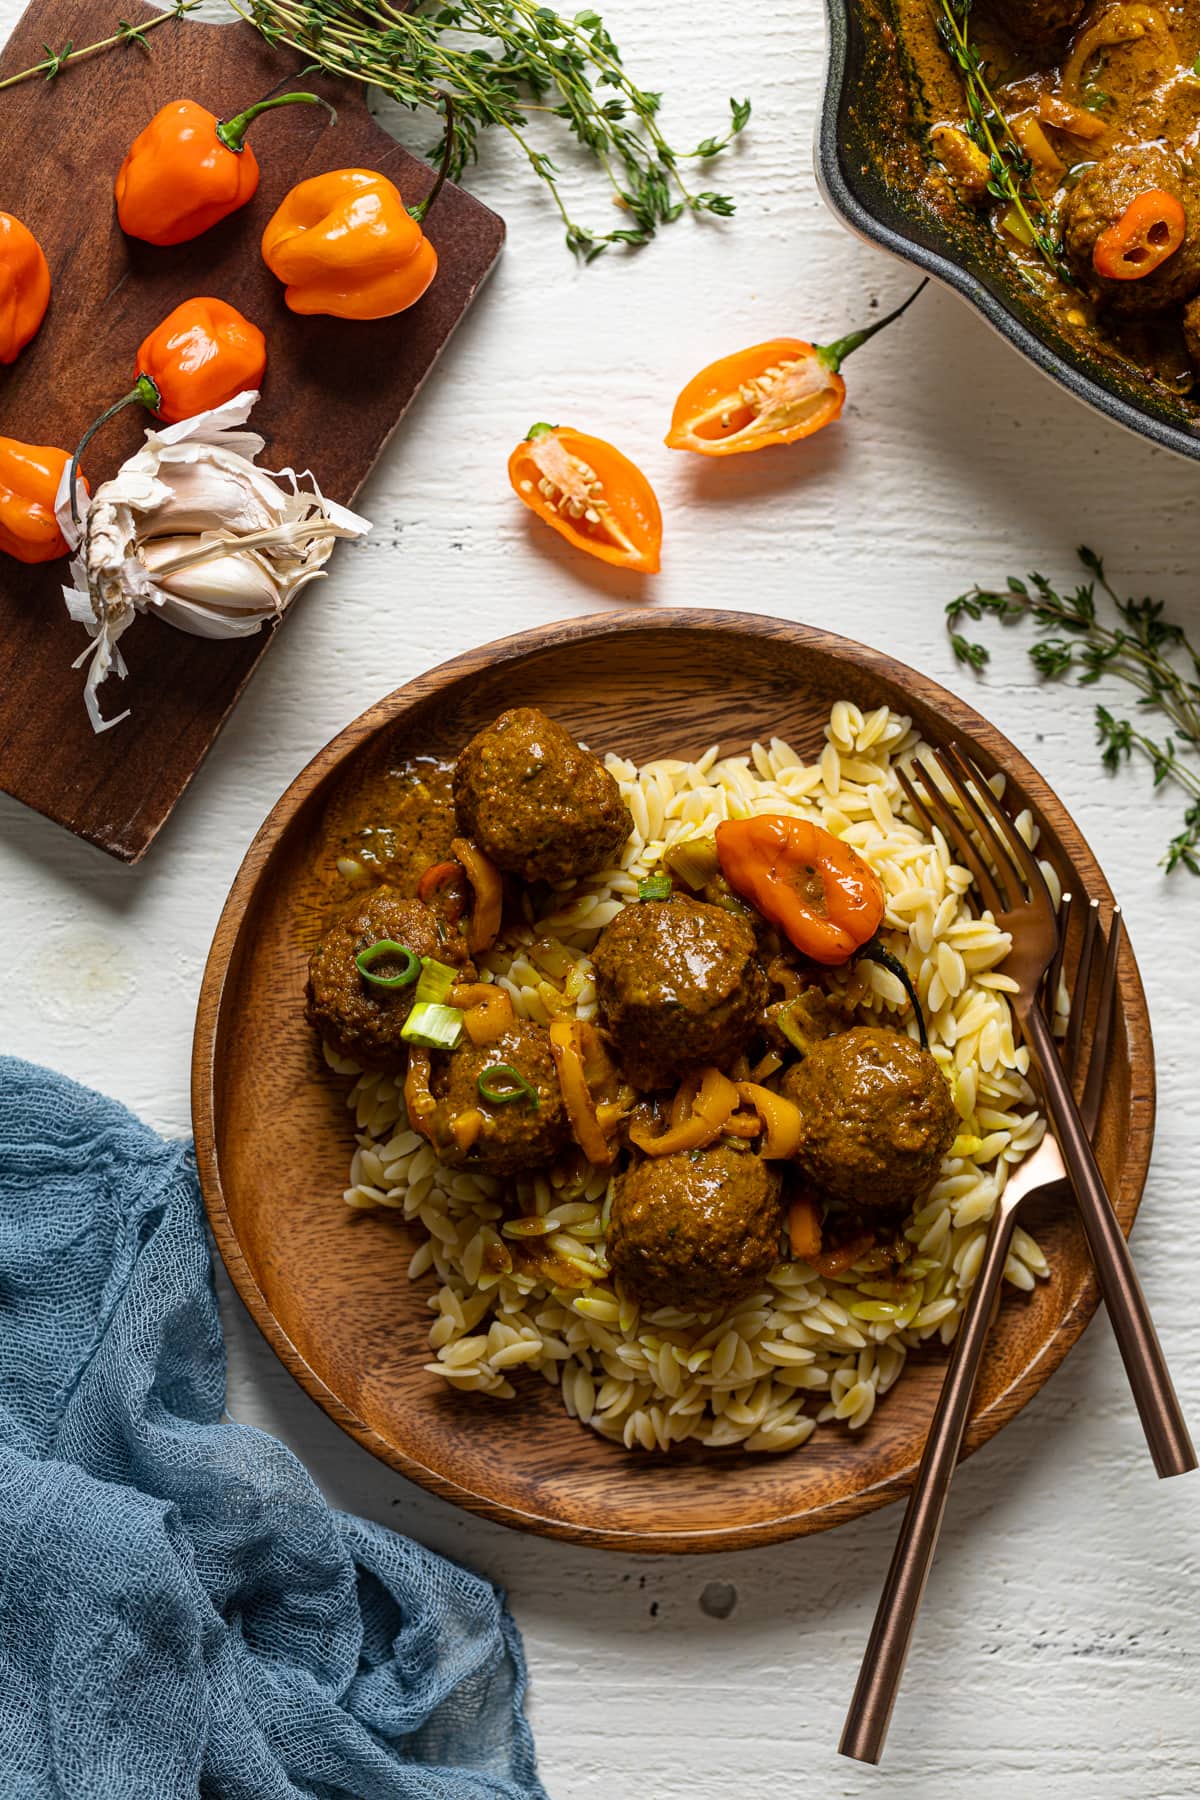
{"type": "Point", "coordinates": [420, 212]}
{"type": "Point", "coordinates": [832, 356]}
{"type": "Point", "coordinates": [232, 132]}
{"type": "Point", "coordinates": [144, 391]}
{"type": "Point", "coordinates": [879, 953]}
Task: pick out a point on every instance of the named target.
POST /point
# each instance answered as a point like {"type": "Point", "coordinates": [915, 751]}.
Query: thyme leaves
{"type": "Point", "coordinates": [1142, 647]}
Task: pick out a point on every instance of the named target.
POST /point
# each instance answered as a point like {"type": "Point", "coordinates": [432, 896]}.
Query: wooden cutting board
{"type": "Point", "coordinates": [335, 390]}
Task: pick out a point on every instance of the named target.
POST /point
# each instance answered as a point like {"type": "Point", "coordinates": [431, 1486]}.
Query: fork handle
{"type": "Point", "coordinates": [878, 1682]}
{"type": "Point", "coordinates": [1153, 1391]}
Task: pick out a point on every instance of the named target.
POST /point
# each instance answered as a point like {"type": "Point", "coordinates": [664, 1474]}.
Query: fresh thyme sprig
{"type": "Point", "coordinates": [55, 61]}
{"type": "Point", "coordinates": [1010, 170]}
{"type": "Point", "coordinates": [502, 60]}
{"type": "Point", "coordinates": [1147, 651]}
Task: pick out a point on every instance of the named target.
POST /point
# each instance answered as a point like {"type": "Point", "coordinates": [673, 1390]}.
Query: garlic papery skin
{"type": "Point", "coordinates": [192, 529]}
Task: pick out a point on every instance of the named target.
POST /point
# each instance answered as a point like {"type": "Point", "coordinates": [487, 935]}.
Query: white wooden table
{"type": "Point", "coordinates": [1058, 1653]}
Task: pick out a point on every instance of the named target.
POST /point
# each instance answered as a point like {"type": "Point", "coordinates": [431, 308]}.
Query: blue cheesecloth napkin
{"type": "Point", "coordinates": [181, 1613]}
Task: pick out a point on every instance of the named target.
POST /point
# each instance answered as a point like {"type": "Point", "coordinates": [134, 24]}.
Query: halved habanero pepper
{"type": "Point", "coordinates": [773, 393]}
{"type": "Point", "coordinates": [29, 479]}
{"type": "Point", "coordinates": [1150, 230]}
{"type": "Point", "coordinates": [24, 286]}
{"type": "Point", "coordinates": [589, 493]}
{"type": "Point", "coordinates": [188, 170]}
{"type": "Point", "coordinates": [203, 354]}
{"type": "Point", "coordinates": [814, 888]}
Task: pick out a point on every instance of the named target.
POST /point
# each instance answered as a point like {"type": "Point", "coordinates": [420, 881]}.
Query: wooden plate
{"type": "Point", "coordinates": [328, 1286]}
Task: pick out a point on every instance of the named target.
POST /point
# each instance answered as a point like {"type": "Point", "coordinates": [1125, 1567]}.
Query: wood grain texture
{"type": "Point", "coordinates": [334, 393]}
{"type": "Point", "coordinates": [328, 1287]}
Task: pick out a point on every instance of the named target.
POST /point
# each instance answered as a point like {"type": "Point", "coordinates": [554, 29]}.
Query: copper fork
{"type": "Point", "coordinates": [1011, 885]}
{"type": "Point", "coordinates": [883, 1661]}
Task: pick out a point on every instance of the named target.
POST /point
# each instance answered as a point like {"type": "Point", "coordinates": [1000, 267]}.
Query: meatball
{"type": "Point", "coordinates": [354, 1016]}
{"type": "Point", "coordinates": [1100, 197]}
{"type": "Point", "coordinates": [540, 805]}
{"type": "Point", "coordinates": [878, 1117]}
{"type": "Point", "coordinates": [696, 1229]}
{"type": "Point", "coordinates": [1191, 332]}
{"type": "Point", "coordinates": [676, 985]}
{"type": "Point", "coordinates": [1037, 25]}
{"type": "Point", "coordinates": [516, 1134]}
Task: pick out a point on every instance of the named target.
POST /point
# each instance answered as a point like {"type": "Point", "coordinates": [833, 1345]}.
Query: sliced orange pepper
{"type": "Point", "coordinates": [419, 1102]}
{"type": "Point", "coordinates": [780, 1119]}
{"type": "Point", "coordinates": [818, 891]}
{"type": "Point", "coordinates": [1151, 229]}
{"type": "Point", "coordinates": [487, 1010]}
{"type": "Point", "coordinates": [24, 286]}
{"type": "Point", "coordinates": [773, 393]}
{"type": "Point", "coordinates": [844, 1256]}
{"type": "Point", "coordinates": [714, 1103]}
{"type": "Point", "coordinates": [590, 494]}
{"type": "Point", "coordinates": [487, 884]}
{"type": "Point", "coordinates": [29, 478]}
{"type": "Point", "coordinates": [566, 1049]}
{"type": "Point", "coordinates": [804, 1228]}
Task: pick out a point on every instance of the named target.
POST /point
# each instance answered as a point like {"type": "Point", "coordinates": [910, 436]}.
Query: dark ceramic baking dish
{"type": "Point", "coordinates": [870, 164]}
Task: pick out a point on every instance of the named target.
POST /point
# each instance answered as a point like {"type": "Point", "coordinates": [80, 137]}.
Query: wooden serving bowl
{"type": "Point", "coordinates": [328, 1286]}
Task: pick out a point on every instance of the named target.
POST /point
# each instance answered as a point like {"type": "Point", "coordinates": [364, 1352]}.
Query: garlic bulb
{"type": "Point", "coordinates": [192, 529]}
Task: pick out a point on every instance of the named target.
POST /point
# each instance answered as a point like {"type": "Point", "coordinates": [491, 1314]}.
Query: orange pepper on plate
{"type": "Point", "coordinates": [24, 286]}
{"type": "Point", "coordinates": [589, 493]}
{"type": "Point", "coordinates": [188, 170]}
{"type": "Point", "coordinates": [814, 888]}
{"type": "Point", "coordinates": [773, 393]}
{"type": "Point", "coordinates": [1150, 230]}
{"type": "Point", "coordinates": [29, 478]}
{"type": "Point", "coordinates": [200, 356]}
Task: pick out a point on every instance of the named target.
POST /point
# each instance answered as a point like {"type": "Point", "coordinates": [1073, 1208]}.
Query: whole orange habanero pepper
{"type": "Point", "coordinates": [814, 888]}
{"type": "Point", "coordinates": [29, 478]}
{"type": "Point", "coordinates": [589, 493]}
{"type": "Point", "coordinates": [24, 286]}
{"type": "Point", "coordinates": [203, 354]}
{"type": "Point", "coordinates": [188, 170]}
{"type": "Point", "coordinates": [773, 393]}
{"type": "Point", "coordinates": [345, 243]}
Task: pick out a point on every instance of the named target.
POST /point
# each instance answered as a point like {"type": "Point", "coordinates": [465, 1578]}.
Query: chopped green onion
{"type": "Point", "coordinates": [516, 1087]}
{"type": "Point", "coordinates": [436, 981]}
{"type": "Point", "coordinates": [694, 862]}
{"type": "Point", "coordinates": [386, 950]}
{"type": "Point", "coordinates": [433, 1027]}
{"type": "Point", "coordinates": [655, 887]}
{"type": "Point", "coordinates": [787, 1024]}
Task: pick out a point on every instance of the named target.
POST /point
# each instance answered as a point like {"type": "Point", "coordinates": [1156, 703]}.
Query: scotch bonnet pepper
{"type": "Point", "coordinates": [592, 495]}
{"type": "Point", "coordinates": [814, 888]}
{"type": "Point", "coordinates": [773, 393]}
{"type": "Point", "coordinates": [29, 479]}
{"type": "Point", "coordinates": [345, 243]}
{"type": "Point", "coordinates": [24, 286]}
{"type": "Point", "coordinates": [188, 169]}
